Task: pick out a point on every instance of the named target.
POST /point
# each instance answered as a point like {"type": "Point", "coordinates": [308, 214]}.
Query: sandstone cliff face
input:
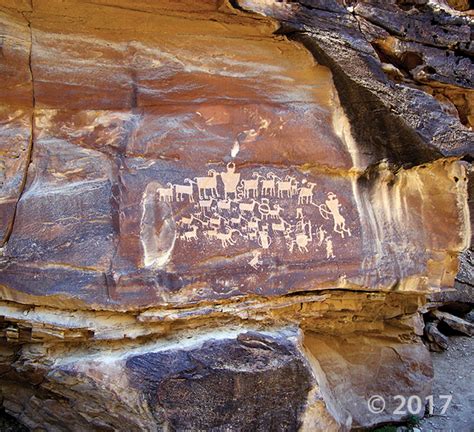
{"type": "Point", "coordinates": [226, 215]}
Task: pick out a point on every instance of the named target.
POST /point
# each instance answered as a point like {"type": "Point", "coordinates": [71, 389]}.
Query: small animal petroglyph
{"type": "Point", "coordinates": [206, 204]}
{"type": "Point", "coordinates": [248, 207]}
{"type": "Point", "coordinates": [255, 262]}
{"type": "Point", "coordinates": [224, 204]}
{"type": "Point", "coordinates": [267, 212]}
{"type": "Point", "coordinates": [264, 239]}
{"type": "Point", "coordinates": [281, 226]}
{"type": "Point", "coordinates": [190, 235]}
{"type": "Point", "coordinates": [226, 238]}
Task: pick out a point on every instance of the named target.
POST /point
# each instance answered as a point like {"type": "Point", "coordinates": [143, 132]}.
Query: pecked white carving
{"type": "Point", "coordinates": [262, 210]}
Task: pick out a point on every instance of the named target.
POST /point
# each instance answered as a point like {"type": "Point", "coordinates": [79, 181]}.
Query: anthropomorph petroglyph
{"type": "Point", "coordinates": [331, 208]}
{"type": "Point", "coordinates": [261, 210]}
{"type": "Point", "coordinates": [230, 179]}
{"type": "Point", "coordinates": [329, 248]}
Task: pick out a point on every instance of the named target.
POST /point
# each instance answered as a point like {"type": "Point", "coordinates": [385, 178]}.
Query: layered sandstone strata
{"type": "Point", "coordinates": [226, 215]}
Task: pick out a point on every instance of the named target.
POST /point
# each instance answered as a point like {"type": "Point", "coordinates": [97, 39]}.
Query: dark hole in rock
{"type": "Point", "coordinates": [411, 60]}
{"type": "Point", "coordinates": [447, 330]}
{"type": "Point", "coordinates": [457, 308]}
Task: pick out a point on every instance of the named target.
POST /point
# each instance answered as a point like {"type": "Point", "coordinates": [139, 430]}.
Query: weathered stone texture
{"type": "Point", "coordinates": [225, 215]}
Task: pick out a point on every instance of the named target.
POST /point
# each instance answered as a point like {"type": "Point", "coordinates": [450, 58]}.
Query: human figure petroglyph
{"type": "Point", "coordinates": [304, 235]}
{"type": "Point", "coordinates": [331, 208]}
{"type": "Point", "coordinates": [321, 235]}
{"type": "Point", "coordinates": [299, 213]}
{"type": "Point", "coordinates": [264, 239]}
{"type": "Point", "coordinates": [230, 179]}
{"type": "Point", "coordinates": [289, 238]}
{"type": "Point", "coordinates": [305, 195]}
{"type": "Point", "coordinates": [329, 248]}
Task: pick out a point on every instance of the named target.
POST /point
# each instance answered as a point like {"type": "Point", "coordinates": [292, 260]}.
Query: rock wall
{"type": "Point", "coordinates": [224, 215]}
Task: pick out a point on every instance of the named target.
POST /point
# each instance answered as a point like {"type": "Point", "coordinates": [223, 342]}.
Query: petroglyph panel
{"type": "Point", "coordinates": [260, 211]}
{"type": "Point", "coordinates": [270, 216]}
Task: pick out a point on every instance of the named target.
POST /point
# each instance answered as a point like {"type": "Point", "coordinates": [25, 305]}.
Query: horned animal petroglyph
{"type": "Point", "coordinates": [181, 190]}
{"type": "Point", "coordinates": [248, 188]}
{"type": "Point", "coordinates": [165, 194]}
{"type": "Point", "coordinates": [226, 238]}
{"type": "Point", "coordinates": [206, 204]}
{"type": "Point", "coordinates": [248, 207]}
{"type": "Point", "coordinates": [288, 187]}
{"type": "Point", "coordinates": [306, 194]}
{"type": "Point", "coordinates": [207, 184]}
{"type": "Point", "coordinates": [268, 184]}
{"type": "Point", "coordinates": [190, 235]}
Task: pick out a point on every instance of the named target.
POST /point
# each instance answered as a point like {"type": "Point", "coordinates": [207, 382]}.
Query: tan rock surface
{"type": "Point", "coordinates": [219, 215]}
